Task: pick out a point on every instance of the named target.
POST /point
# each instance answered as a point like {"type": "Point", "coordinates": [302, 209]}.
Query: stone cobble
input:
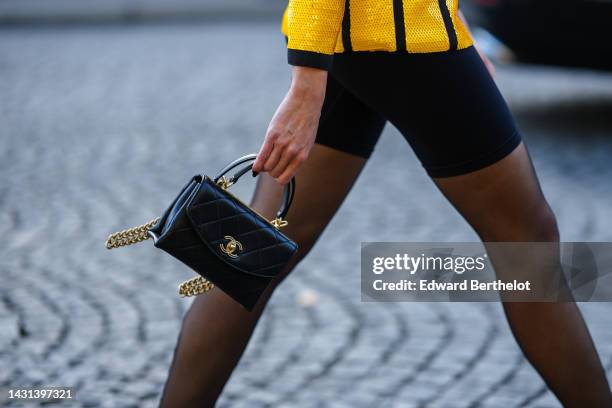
{"type": "Point", "coordinates": [98, 127]}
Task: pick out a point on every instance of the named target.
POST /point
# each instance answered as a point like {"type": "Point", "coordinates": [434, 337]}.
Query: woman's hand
{"type": "Point", "coordinates": [293, 128]}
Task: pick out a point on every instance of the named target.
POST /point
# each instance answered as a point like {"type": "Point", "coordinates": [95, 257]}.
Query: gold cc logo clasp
{"type": "Point", "coordinates": [230, 247]}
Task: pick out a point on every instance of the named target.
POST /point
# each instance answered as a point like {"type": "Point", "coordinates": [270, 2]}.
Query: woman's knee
{"type": "Point", "coordinates": [537, 225]}
{"type": "Point", "coordinates": [545, 225]}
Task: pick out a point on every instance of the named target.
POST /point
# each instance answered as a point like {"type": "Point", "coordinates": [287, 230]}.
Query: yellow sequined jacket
{"type": "Point", "coordinates": [316, 29]}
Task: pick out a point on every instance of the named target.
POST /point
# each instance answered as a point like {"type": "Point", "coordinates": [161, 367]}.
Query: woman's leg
{"type": "Point", "coordinates": [504, 202]}
{"type": "Point", "coordinates": [449, 109]}
{"type": "Point", "coordinates": [216, 329]}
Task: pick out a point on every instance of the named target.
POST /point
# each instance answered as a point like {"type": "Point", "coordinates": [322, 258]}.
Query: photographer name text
{"type": "Point", "coordinates": [426, 285]}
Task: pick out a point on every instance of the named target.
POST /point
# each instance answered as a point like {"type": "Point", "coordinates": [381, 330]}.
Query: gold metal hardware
{"type": "Point", "coordinates": [224, 183]}
{"type": "Point", "coordinates": [195, 286]}
{"type": "Point", "coordinates": [130, 236]}
{"type": "Point", "coordinates": [231, 247]}
{"type": "Point", "coordinates": [278, 222]}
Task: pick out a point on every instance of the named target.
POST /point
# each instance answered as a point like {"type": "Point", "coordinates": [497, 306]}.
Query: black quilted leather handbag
{"type": "Point", "coordinates": [218, 236]}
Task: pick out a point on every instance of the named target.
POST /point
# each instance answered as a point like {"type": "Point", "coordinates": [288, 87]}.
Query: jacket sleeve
{"type": "Point", "coordinates": [312, 30]}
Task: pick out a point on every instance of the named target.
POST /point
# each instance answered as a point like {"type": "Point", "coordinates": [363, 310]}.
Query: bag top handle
{"type": "Point", "coordinates": [237, 162]}
{"type": "Point", "coordinates": [288, 193]}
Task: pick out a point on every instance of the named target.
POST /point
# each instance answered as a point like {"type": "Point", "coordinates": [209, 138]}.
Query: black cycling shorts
{"type": "Point", "coordinates": [446, 105]}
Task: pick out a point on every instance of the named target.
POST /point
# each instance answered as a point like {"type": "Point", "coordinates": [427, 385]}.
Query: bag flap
{"type": "Point", "coordinates": [237, 235]}
{"type": "Point", "coordinates": [167, 218]}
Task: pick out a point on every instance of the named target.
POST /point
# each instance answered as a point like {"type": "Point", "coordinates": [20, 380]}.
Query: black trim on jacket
{"type": "Point", "coordinates": [346, 27]}
{"type": "Point", "coordinates": [309, 59]}
{"type": "Point", "coordinates": [400, 28]}
{"type": "Point", "coordinates": [448, 23]}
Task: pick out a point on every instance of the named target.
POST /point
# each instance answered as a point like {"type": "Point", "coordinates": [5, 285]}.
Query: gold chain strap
{"type": "Point", "coordinates": [191, 287]}
{"type": "Point", "coordinates": [195, 286]}
{"type": "Point", "coordinates": [130, 236]}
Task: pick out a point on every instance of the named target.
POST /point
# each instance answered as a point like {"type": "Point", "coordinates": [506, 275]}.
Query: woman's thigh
{"type": "Point", "coordinates": [503, 201]}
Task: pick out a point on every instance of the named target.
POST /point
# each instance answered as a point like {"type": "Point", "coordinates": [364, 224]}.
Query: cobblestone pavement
{"type": "Point", "coordinates": [76, 11]}
{"type": "Point", "coordinates": [99, 126]}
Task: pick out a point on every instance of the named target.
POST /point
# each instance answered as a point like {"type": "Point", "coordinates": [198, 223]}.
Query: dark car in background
{"type": "Point", "coordinates": [559, 32]}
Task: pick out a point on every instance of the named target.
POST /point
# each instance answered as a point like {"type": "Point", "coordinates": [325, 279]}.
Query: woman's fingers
{"type": "Point", "coordinates": [262, 156]}
{"type": "Point", "coordinates": [282, 153]}
{"type": "Point", "coordinates": [287, 155]}
{"type": "Point", "coordinates": [273, 158]}
{"type": "Point", "coordinates": [291, 169]}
